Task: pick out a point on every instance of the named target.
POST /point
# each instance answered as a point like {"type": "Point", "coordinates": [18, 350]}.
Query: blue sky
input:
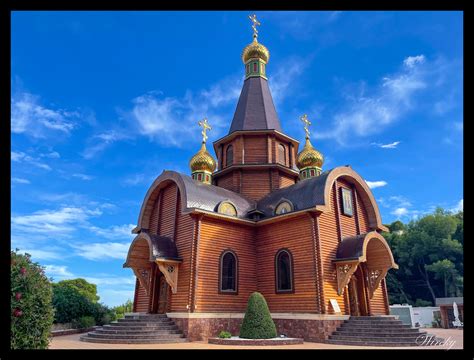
{"type": "Point", "coordinates": [103, 102]}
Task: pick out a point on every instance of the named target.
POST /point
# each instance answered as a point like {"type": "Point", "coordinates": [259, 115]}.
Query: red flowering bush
{"type": "Point", "coordinates": [32, 311]}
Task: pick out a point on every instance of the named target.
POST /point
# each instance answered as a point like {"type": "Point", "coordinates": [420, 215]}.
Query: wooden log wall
{"type": "Point", "coordinates": [296, 236]}
{"type": "Point", "coordinates": [215, 237]}
{"type": "Point", "coordinates": [141, 299]}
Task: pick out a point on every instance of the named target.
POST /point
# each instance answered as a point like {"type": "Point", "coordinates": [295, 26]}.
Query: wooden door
{"type": "Point", "coordinates": [163, 296]}
{"type": "Point", "coordinates": [357, 294]}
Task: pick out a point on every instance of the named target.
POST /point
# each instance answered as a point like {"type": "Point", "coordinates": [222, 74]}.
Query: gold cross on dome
{"type": "Point", "coordinates": [304, 119]}
{"type": "Point", "coordinates": [255, 22]}
{"type": "Point", "coordinates": [205, 126]}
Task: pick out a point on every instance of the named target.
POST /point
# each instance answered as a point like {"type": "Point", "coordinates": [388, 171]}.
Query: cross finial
{"type": "Point", "coordinates": [304, 119]}
{"type": "Point", "coordinates": [255, 22]}
{"type": "Point", "coordinates": [205, 126]}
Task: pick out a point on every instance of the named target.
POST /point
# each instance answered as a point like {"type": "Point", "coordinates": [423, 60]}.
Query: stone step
{"type": "Point", "coordinates": [402, 338]}
{"type": "Point", "coordinates": [95, 334]}
{"type": "Point", "coordinates": [132, 341]}
{"type": "Point", "coordinates": [137, 332]}
{"type": "Point", "coordinates": [390, 330]}
{"type": "Point", "coordinates": [378, 322]}
{"type": "Point", "coordinates": [370, 343]}
{"type": "Point", "coordinates": [145, 328]}
{"type": "Point", "coordinates": [378, 334]}
{"type": "Point", "coordinates": [142, 323]}
{"type": "Point", "coordinates": [377, 326]}
{"type": "Point", "coordinates": [374, 318]}
{"type": "Point", "coordinates": [146, 316]}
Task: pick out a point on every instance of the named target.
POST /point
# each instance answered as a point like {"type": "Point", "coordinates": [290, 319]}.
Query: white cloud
{"type": "Point", "coordinates": [51, 155]}
{"type": "Point", "coordinates": [369, 114]}
{"type": "Point", "coordinates": [387, 146]}
{"type": "Point", "coordinates": [459, 206]}
{"type": "Point", "coordinates": [376, 184]}
{"type": "Point", "coordinates": [400, 212]}
{"type": "Point", "coordinates": [41, 254]}
{"type": "Point", "coordinates": [58, 272]}
{"type": "Point", "coordinates": [412, 61]}
{"type": "Point", "coordinates": [102, 251]}
{"type": "Point", "coordinates": [53, 222]}
{"type": "Point", "coordinates": [83, 176]}
{"type": "Point", "coordinates": [29, 117]}
{"type": "Point", "coordinates": [20, 181]}
{"type": "Point", "coordinates": [22, 157]}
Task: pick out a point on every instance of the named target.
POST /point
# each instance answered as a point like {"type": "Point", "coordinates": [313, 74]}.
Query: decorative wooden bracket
{"type": "Point", "coordinates": [344, 272]}
{"type": "Point", "coordinates": [170, 271]}
{"type": "Point", "coordinates": [143, 276]}
{"type": "Point", "coordinates": [374, 277]}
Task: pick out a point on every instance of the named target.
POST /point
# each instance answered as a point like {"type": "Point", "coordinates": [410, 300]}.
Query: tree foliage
{"type": "Point", "coordinates": [31, 304]}
{"type": "Point", "coordinates": [429, 252]}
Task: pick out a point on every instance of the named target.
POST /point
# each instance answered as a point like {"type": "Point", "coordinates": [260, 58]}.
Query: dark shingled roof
{"type": "Point", "coordinates": [351, 247]}
{"type": "Point", "coordinates": [255, 109]}
{"type": "Point", "coordinates": [303, 195]}
{"type": "Point", "coordinates": [163, 247]}
{"type": "Point", "coordinates": [208, 197]}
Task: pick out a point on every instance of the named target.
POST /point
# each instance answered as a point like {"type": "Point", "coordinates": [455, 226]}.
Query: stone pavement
{"type": "Point", "coordinates": [453, 338]}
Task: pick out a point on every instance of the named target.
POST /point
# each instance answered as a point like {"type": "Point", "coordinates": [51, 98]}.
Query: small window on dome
{"type": "Point", "coordinates": [311, 172]}
{"type": "Point", "coordinates": [255, 67]}
{"type": "Point", "coordinates": [227, 208]}
{"type": "Point", "coordinates": [283, 208]}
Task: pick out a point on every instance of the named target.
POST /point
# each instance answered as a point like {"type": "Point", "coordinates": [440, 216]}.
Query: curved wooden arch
{"type": "Point", "coordinates": [140, 237]}
{"type": "Point", "coordinates": [346, 173]}
{"type": "Point", "coordinates": [373, 235]}
{"type": "Point", "coordinates": [162, 181]}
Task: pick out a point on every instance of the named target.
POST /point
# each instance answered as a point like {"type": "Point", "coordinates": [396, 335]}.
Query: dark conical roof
{"type": "Point", "coordinates": [255, 109]}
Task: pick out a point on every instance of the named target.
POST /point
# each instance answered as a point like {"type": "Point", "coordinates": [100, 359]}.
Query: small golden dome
{"type": "Point", "coordinates": [255, 50]}
{"type": "Point", "coordinates": [309, 156]}
{"type": "Point", "coordinates": [202, 161]}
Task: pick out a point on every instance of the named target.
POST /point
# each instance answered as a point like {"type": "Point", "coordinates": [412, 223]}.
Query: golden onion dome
{"type": "Point", "coordinates": [255, 50]}
{"type": "Point", "coordinates": [309, 156]}
{"type": "Point", "coordinates": [202, 161]}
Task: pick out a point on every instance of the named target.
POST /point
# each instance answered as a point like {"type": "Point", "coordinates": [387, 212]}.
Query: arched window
{"type": "Point", "coordinates": [281, 154]}
{"type": "Point", "coordinates": [283, 207]}
{"type": "Point", "coordinates": [284, 271]}
{"type": "Point", "coordinates": [227, 208]}
{"type": "Point", "coordinates": [229, 155]}
{"type": "Point", "coordinates": [228, 272]}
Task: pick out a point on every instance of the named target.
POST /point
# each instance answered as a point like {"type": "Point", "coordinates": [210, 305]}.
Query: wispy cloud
{"type": "Point", "coordinates": [58, 272]}
{"type": "Point", "coordinates": [102, 251]}
{"type": "Point", "coordinates": [42, 254]}
{"type": "Point", "coordinates": [376, 184]}
{"type": "Point", "coordinates": [367, 114]}
{"type": "Point", "coordinates": [114, 232]}
{"type": "Point", "coordinates": [29, 116]}
{"type": "Point", "coordinates": [459, 206]}
{"type": "Point", "coordinates": [16, 180]}
{"type": "Point", "coordinates": [101, 141]}
{"type": "Point", "coordinates": [387, 146]}
{"type": "Point", "coordinates": [22, 157]}
{"type": "Point", "coordinates": [83, 176]}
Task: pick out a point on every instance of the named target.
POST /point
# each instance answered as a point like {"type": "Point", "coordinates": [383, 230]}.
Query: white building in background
{"type": "Point", "coordinates": [415, 316]}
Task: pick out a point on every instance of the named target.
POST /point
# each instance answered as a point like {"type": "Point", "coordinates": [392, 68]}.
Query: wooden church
{"type": "Point", "coordinates": [264, 217]}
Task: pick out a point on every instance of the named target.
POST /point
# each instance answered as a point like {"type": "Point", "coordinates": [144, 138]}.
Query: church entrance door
{"type": "Point", "coordinates": [357, 295]}
{"type": "Point", "coordinates": [163, 295]}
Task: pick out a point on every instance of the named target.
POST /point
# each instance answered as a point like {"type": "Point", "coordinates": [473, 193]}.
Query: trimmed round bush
{"type": "Point", "coordinates": [257, 323]}
{"type": "Point", "coordinates": [32, 312]}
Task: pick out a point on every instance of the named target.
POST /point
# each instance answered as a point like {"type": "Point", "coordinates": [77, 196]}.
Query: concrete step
{"type": "Point", "coordinates": [137, 332]}
{"type": "Point", "coordinates": [142, 323]}
{"type": "Point", "coordinates": [372, 318]}
{"type": "Point", "coordinates": [369, 322]}
{"type": "Point", "coordinates": [146, 316]}
{"type": "Point", "coordinates": [95, 334]}
{"type": "Point", "coordinates": [132, 341]}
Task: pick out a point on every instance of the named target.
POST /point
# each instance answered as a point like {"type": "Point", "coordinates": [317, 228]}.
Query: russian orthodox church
{"type": "Point", "coordinates": [263, 217]}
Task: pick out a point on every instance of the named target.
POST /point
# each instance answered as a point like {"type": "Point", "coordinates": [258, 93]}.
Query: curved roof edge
{"type": "Point", "coordinates": [193, 195]}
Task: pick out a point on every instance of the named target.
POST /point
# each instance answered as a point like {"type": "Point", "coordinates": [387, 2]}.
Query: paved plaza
{"type": "Point", "coordinates": [453, 338]}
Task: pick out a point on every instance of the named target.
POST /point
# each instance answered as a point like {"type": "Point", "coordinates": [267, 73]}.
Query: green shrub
{"type": "Point", "coordinates": [257, 323]}
{"type": "Point", "coordinates": [32, 310]}
{"type": "Point", "coordinates": [83, 322]}
{"type": "Point", "coordinates": [70, 304]}
{"type": "Point", "coordinates": [225, 335]}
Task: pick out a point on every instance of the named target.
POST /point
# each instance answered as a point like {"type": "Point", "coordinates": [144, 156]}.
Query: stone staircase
{"type": "Point", "coordinates": [137, 328]}
{"type": "Point", "coordinates": [378, 331]}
